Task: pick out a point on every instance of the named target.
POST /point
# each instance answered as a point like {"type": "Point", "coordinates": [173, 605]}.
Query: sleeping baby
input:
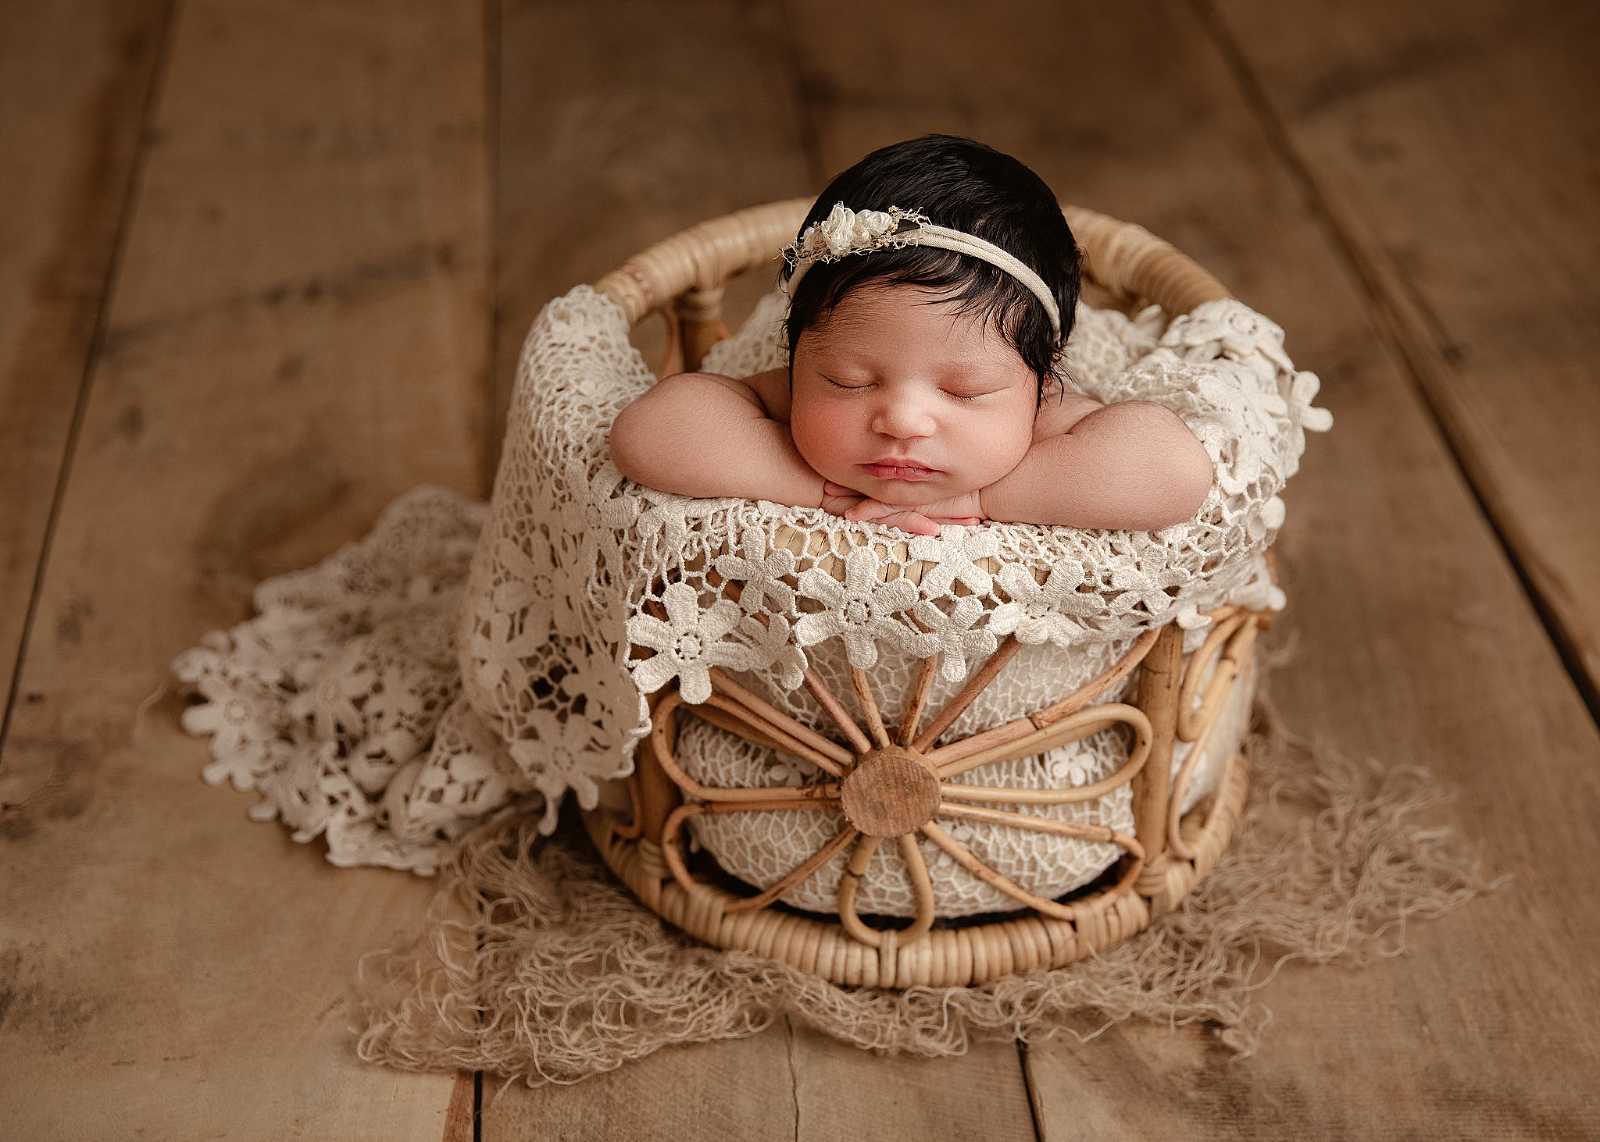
{"type": "Point", "coordinates": [931, 293]}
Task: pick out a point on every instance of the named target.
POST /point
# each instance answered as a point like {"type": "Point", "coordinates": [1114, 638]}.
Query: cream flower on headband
{"type": "Point", "coordinates": [845, 231]}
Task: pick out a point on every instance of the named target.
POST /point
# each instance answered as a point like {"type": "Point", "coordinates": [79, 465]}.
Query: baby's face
{"type": "Point", "coordinates": [903, 399]}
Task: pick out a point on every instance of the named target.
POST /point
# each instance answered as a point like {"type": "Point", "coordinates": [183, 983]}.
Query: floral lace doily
{"type": "Point", "coordinates": [461, 660]}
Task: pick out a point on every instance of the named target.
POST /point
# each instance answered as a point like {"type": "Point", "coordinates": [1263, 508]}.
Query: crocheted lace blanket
{"type": "Point", "coordinates": [393, 696]}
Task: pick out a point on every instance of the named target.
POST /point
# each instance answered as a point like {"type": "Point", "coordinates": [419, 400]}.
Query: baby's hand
{"type": "Point", "coordinates": [838, 499]}
{"type": "Point", "coordinates": [923, 520]}
{"type": "Point", "coordinates": [895, 515]}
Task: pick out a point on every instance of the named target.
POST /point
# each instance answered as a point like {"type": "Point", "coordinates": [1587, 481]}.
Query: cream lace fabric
{"type": "Point", "coordinates": [393, 696]}
{"type": "Point", "coordinates": [339, 703]}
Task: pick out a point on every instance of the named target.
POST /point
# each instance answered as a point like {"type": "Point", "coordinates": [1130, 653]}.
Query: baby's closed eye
{"type": "Point", "coordinates": [955, 392]}
{"type": "Point", "coordinates": [970, 394]}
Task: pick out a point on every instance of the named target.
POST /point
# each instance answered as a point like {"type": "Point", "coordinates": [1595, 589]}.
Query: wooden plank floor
{"type": "Point", "coordinates": [64, 205]}
{"type": "Point", "coordinates": [266, 265]}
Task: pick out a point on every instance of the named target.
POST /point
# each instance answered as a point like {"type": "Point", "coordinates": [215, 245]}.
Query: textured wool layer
{"type": "Point", "coordinates": [538, 966]}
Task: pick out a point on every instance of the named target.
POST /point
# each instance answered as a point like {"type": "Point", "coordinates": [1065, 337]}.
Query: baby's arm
{"type": "Point", "coordinates": [1132, 465]}
{"type": "Point", "coordinates": [709, 436]}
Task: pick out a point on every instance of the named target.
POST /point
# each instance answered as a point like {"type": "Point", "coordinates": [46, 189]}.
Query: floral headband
{"type": "Point", "coordinates": [845, 231]}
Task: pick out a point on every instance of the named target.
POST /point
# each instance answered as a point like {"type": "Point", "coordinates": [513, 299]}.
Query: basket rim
{"type": "Point", "coordinates": [1123, 258]}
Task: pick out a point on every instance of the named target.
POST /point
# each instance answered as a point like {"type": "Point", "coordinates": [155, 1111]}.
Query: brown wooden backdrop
{"type": "Point", "coordinates": [264, 265]}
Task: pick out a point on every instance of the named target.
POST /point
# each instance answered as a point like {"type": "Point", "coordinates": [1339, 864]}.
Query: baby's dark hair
{"type": "Point", "coordinates": [963, 185]}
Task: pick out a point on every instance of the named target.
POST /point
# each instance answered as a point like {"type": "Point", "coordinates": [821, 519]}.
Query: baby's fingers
{"type": "Point", "coordinates": [914, 522]}
{"type": "Point", "coordinates": [865, 510]}
{"type": "Point", "coordinates": [890, 515]}
{"type": "Point", "coordinates": [907, 520]}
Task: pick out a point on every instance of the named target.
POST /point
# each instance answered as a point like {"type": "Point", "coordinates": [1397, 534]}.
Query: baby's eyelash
{"type": "Point", "coordinates": [968, 397]}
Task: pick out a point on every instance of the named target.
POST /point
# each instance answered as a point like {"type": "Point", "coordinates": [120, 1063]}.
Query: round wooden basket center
{"type": "Point", "coordinates": [890, 791]}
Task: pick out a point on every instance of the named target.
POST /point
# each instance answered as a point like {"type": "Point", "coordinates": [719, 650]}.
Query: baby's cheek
{"type": "Point", "coordinates": [819, 443]}
{"type": "Point", "coordinates": [1003, 447]}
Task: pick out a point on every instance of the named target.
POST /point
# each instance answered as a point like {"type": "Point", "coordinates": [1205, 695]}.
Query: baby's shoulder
{"type": "Point", "coordinates": [1059, 414]}
{"type": "Point", "coordinates": [768, 391]}
{"type": "Point", "coordinates": [772, 389]}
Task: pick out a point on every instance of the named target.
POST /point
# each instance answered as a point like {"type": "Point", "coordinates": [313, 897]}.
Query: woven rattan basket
{"type": "Point", "coordinates": [894, 782]}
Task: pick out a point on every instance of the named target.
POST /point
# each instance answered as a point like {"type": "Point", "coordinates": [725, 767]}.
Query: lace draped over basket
{"type": "Point", "coordinates": [462, 660]}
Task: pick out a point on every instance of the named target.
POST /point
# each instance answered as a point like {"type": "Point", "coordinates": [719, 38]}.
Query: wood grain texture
{"type": "Point", "coordinates": [844, 1092]}
{"type": "Point", "coordinates": [1416, 644]}
{"type": "Point", "coordinates": [615, 134]}
{"type": "Point", "coordinates": [787, 1082]}
{"type": "Point", "coordinates": [1456, 157]}
{"type": "Point", "coordinates": [736, 1088]}
{"type": "Point", "coordinates": [69, 135]}
{"type": "Point", "coordinates": [618, 132]}
{"type": "Point", "coordinates": [297, 338]}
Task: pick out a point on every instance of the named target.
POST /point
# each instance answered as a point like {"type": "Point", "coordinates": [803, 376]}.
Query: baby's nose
{"type": "Point", "coordinates": [903, 419]}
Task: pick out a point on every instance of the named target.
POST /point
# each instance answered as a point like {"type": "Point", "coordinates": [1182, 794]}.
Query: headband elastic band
{"type": "Point", "coordinates": [847, 231]}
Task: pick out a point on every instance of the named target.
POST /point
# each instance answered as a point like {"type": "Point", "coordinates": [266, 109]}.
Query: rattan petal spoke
{"type": "Point", "coordinates": [967, 860]}
{"type": "Point", "coordinates": [964, 698]}
{"type": "Point", "coordinates": [1069, 729]}
{"type": "Point", "coordinates": [1073, 795]}
{"type": "Point", "coordinates": [1055, 712]}
{"type": "Point", "coordinates": [835, 710]}
{"type": "Point", "coordinates": [768, 719]}
{"type": "Point", "coordinates": [1075, 829]}
{"type": "Point", "coordinates": [921, 888]}
{"type": "Point", "coordinates": [919, 700]}
{"type": "Point", "coordinates": [799, 874]}
{"type": "Point", "coordinates": [1235, 658]}
{"type": "Point", "coordinates": [671, 844]}
{"type": "Point", "coordinates": [783, 795]}
{"type": "Point", "coordinates": [869, 706]}
{"type": "Point", "coordinates": [848, 884]}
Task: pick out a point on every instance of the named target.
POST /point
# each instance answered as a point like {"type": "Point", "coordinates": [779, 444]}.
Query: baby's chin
{"type": "Point", "coordinates": [912, 493]}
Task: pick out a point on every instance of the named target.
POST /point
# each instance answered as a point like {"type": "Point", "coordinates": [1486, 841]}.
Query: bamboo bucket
{"type": "Point", "coordinates": [891, 782]}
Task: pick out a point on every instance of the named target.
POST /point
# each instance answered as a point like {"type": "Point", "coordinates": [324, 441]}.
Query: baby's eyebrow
{"type": "Point", "coordinates": [956, 372]}
{"type": "Point", "coordinates": [975, 379]}
{"type": "Point", "coordinates": [957, 366]}
{"type": "Point", "coordinates": [839, 359]}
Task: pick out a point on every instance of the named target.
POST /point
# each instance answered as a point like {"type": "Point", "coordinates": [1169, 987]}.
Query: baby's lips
{"type": "Point", "coordinates": [899, 470]}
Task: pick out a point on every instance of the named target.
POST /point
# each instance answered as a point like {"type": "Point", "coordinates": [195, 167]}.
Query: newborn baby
{"type": "Point", "coordinates": [932, 291]}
